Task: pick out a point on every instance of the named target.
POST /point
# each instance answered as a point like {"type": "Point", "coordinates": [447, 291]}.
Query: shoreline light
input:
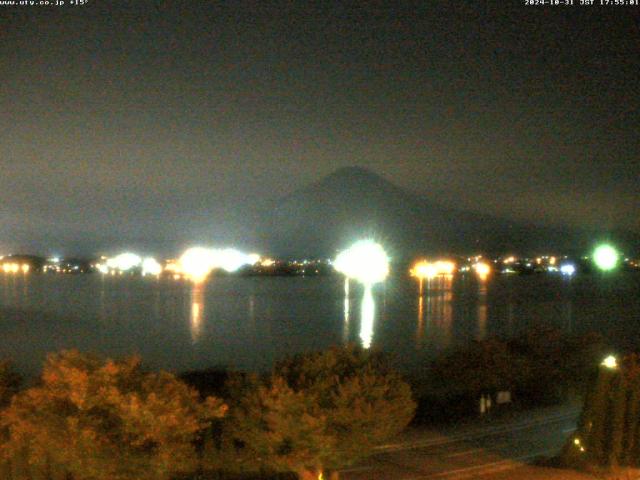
{"type": "Point", "coordinates": [606, 257]}
{"type": "Point", "coordinates": [365, 261]}
{"type": "Point", "coordinates": [196, 263]}
{"type": "Point", "coordinates": [231, 259]}
{"type": "Point", "coordinates": [423, 270]}
{"type": "Point", "coordinates": [150, 266]}
{"type": "Point", "coordinates": [124, 261]}
{"type": "Point", "coordinates": [482, 269]}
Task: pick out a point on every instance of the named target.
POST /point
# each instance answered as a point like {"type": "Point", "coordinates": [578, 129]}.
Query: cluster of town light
{"type": "Point", "coordinates": [195, 263]}
{"type": "Point", "coordinates": [15, 267]}
{"type": "Point", "coordinates": [365, 261]}
{"type": "Point", "coordinates": [425, 270]}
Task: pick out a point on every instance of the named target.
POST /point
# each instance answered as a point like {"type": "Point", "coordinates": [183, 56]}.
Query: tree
{"type": "Point", "coordinates": [484, 367]}
{"type": "Point", "coordinates": [102, 419]}
{"type": "Point", "coordinates": [608, 434]}
{"type": "Point", "coordinates": [9, 382]}
{"type": "Point", "coordinates": [319, 411]}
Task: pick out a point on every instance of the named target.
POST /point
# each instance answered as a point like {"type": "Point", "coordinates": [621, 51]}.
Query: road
{"type": "Point", "coordinates": [483, 449]}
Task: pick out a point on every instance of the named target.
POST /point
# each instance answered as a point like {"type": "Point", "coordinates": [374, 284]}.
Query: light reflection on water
{"type": "Point", "coordinates": [368, 312]}
{"type": "Point", "coordinates": [347, 311]}
{"type": "Point", "coordinates": [250, 322]}
{"type": "Point", "coordinates": [482, 309]}
{"type": "Point", "coordinates": [197, 310]}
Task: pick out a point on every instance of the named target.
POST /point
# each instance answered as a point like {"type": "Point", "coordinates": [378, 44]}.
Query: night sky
{"type": "Point", "coordinates": [159, 124]}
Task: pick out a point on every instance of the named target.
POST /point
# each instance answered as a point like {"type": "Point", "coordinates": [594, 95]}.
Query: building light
{"type": "Point", "coordinates": [610, 362]}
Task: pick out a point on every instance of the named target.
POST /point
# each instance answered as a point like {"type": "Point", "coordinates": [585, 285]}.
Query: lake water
{"type": "Point", "coordinates": [248, 322]}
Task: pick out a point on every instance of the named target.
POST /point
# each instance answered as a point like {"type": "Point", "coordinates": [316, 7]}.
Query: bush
{"type": "Point", "coordinates": [98, 419]}
{"type": "Point", "coordinates": [9, 382]}
{"type": "Point", "coordinates": [316, 411]}
{"type": "Point", "coordinates": [539, 367]}
{"type": "Point", "coordinates": [608, 434]}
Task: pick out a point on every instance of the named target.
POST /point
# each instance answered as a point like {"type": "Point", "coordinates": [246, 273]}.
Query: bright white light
{"type": "Point", "coordinates": [124, 261]}
{"type": "Point", "coordinates": [610, 362]}
{"type": "Point", "coordinates": [568, 269]}
{"type": "Point", "coordinates": [605, 257]}
{"type": "Point", "coordinates": [102, 268]}
{"type": "Point", "coordinates": [365, 261]}
{"type": "Point", "coordinates": [230, 259]}
{"type": "Point", "coordinates": [150, 266]}
{"type": "Point", "coordinates": [197, 263]}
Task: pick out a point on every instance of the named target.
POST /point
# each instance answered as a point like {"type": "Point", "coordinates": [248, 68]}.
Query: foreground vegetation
{"type": "Point", "coordinates": [608, 436]}
{"type": "Point", "coordinates": [91, 418]}
{"type": "Point", "coordinates": [543, 366]}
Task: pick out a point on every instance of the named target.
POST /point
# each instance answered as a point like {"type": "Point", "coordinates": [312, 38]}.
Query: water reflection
{"type": "Point", "coordinates": [102, 301]}
{"type": "Point", "coordinates": [510, 317]}
{"type": "Point", "coordinates": [368, 311]}
{"type": "Point", "coordinates": [567, 315]}
{"type": "Point", "coordinates": [197, 310]}
{"type": "Point", "coordinates": [420, 330]}
{"type": "Point", "coordinates": [438, 311]}
{"type": "Point", "coordinates": [346, 309]}
{"type": "Point", "coordinates": [482, 310]}
{"type": "Point", "coordinates": [252, 311]}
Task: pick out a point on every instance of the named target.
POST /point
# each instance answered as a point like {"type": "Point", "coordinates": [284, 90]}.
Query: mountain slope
{"type": "Point", "coordinates": [354, 202]}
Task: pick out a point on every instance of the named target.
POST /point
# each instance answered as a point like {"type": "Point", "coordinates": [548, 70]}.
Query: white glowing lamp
{"type": "Point", "coordinates": [606, 257]}
{"type": "Point", "coordinates": [150, 266]}
{"type": "Point", "coordinates": [124, 261]}
{"type": "Point", "coordinates": [197, 263]}
{"type": "Point", "coordinates": [231, 259]}
{"type": "Point", "coordinates": [610, 362]}
{"type": "Point", "coordinates": [365, 261]}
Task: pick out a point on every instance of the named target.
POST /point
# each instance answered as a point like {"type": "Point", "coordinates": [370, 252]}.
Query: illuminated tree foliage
{"type": "Point", "coordinates": [96, 419]}
{"type": "Point", "coordinates": [319, 411]}
{"type": "Point", "coordinates": [609, 430]}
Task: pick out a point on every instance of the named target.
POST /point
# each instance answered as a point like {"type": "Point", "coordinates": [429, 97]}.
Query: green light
{"type": "Point", "coordinates": [606, 257]}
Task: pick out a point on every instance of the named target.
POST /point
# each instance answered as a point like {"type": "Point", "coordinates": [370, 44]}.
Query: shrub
{"type": "Point", "coordinates": [98, 419]}
{"type": "Point", "coordinates": [318, 411]}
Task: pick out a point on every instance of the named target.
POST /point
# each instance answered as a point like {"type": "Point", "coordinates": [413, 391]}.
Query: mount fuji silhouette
{"type": "Point", "coordinates": [354, 202]}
